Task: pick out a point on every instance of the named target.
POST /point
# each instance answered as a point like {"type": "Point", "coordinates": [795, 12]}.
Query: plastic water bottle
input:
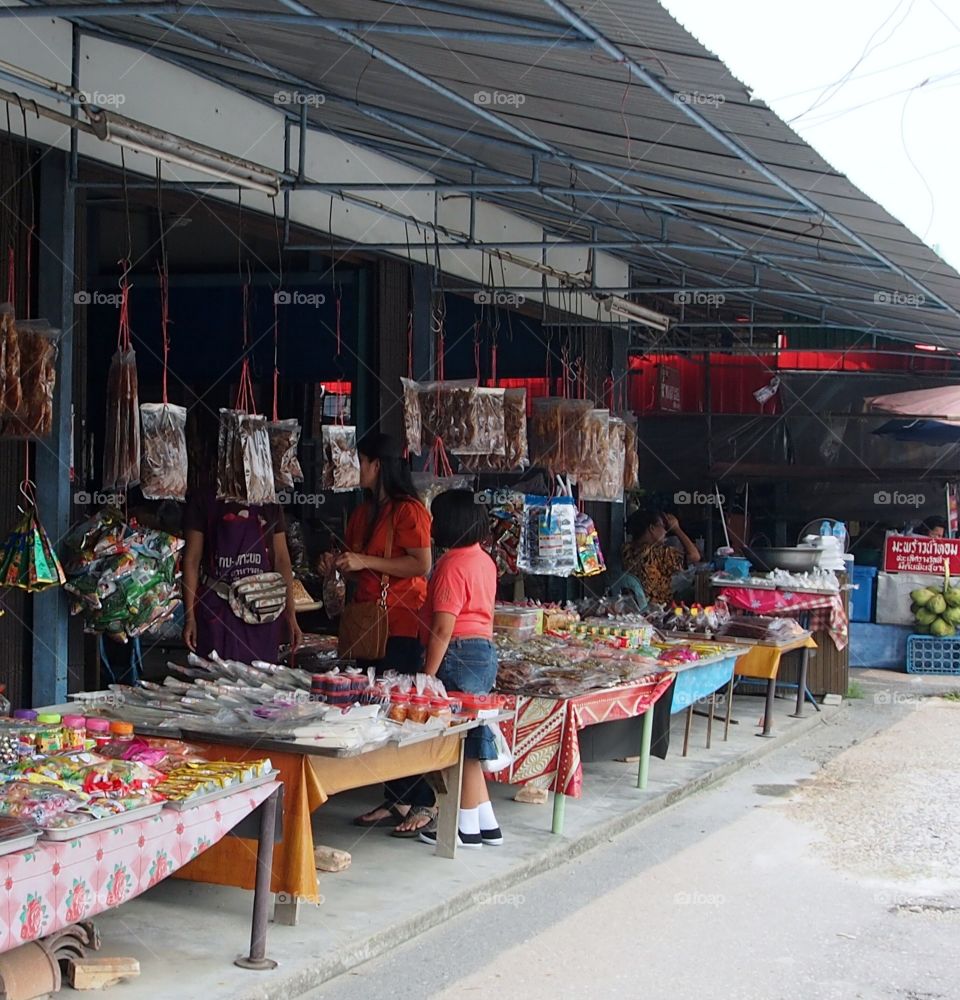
{"type": "Point", "coordinates": [840, 533]}
{"type": "Point", "coordinates": [825, 529]}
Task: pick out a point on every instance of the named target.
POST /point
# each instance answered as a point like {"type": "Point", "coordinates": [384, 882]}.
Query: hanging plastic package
{"type": "Point", "coordinates": [412, 416]}
{"type": "Point", "coordinates": [548, 537]}
{"type": "Point", "coordinates": [631, 456]}
{"type": "Point", "coordinates": [429, 486]}
{"type": "Point", "coordinates": [284, 438]}
{"type": "Point", "coordinates": [121, 453]}
{"type": "Point", "coordinates": [589, 556]}
{"type": "Point", "coordinates": [467, 419]}
{"type": "Point", "coordinates": [608, 486]}
{"type": "Point", "coordinates": [9, 361]}
{"type": "Point", "coordinates": [244, 463]}
{"type": "Point", "coordinates": [516, 453]}
{"type": "Point", "coordinates": [341, 463]}
{"type": "Point", "coordinates": [334, 594]}
{"type": "Point", "coordinates": [36, 364]}
{"type": "Point", "coordinates": [27, 559]}
{"type": "Point", "coordinates": [559, 428]}
{"type": "Point", "coordinates": [163, 466]}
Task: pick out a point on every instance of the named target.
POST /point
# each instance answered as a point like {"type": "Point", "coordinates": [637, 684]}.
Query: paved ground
{"type": "Point", "coordinates": [828, 870]}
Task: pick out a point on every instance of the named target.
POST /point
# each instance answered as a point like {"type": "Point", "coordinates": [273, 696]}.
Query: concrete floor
{"type": "Point", "coordinates": [396, 891]}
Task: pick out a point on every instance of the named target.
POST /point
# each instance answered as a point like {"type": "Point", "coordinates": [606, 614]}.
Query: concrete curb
{"type": "Point", "coordinates": [302, 980]}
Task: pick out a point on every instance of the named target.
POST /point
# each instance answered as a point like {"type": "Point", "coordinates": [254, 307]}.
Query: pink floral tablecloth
{"type": "Point", "coordinates": [55, 884]}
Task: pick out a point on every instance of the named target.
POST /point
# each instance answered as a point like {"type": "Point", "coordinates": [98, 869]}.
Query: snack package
{"type": "Point", "coordinates": [341, 463]}
{"type": "Point", "coordinates": [284, 438]}
{"type": "Point", "coordinates": [505, 531]}
{"type": "Point", "coordinates": [516, 454]}
{"type": "Point", "coordinates": [412, 419]}
{"type": "Point", "coordinates": [590, 456]}
{"type": "Point", "coordinates": [9, 360]}
{"type": "Point", "coordinates": [334, 594]}
{"type": "Point", "coordinates": [548, 537]}
{"type": "Point", "coordinates": [121, 450]}
{"type": "Point", "coordinates": [609, 485]}
{"type": "Point", "coordinates": [244, 462]}
{"type": "Point", "coordinates": [430, 486]}
{"type": "Point", "coordinates": [39, 804]}
{"type": "Point", "coordinates": [589, 557]}
{"type": "Point", "coordinates": [559, 428]}
{"type": "Point", "coordinates": [118, 778]}
{"type": "Point", "coordinates": [469, 420]}
{"type": "Point", "coordinates": [35, 358]}
{"type": "Point", "coordinates": [631, 457]}
{"type": "Point", "coordinates": [27, 557]}
{"type": "Point", "coordinates": [163, 464]}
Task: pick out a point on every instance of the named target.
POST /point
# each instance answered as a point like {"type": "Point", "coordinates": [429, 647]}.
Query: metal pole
{"type": "Point", "coordinates": [257, 959]}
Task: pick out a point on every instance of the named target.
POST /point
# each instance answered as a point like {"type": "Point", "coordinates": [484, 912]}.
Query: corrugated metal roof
{"type": "Point", "coordinates": [596, 125]}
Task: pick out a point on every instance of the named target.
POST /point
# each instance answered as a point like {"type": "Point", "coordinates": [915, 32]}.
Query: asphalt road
{"type": "Point", "coordinates": [830, 870]}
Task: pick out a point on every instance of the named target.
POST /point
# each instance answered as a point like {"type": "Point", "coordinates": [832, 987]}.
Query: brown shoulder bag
{"type": "Point", "coordinates": [363, 624]}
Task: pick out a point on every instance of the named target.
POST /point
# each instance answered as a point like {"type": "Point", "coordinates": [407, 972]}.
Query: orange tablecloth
{"type": "Point", "coordinates": [764, 661]}
{"type": "Point", "coordinates": [308, 781]}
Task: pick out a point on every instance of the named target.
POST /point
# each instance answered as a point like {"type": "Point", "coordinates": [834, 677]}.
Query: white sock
{"type": "Point", "coordinates": [470, 820]}
{"type": "Point", "coordinates": [488, 821]}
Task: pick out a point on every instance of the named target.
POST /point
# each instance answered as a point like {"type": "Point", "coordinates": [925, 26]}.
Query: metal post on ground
{"type": "Point", "coordinates": [768, 707]}
{"type": "Point", "coordinates": [686, 731]}
{"type": "Point", "coordinates": [646, 737]}
{"type": "Point", "coordinates": [713, 705]}
{"type": "Point", "coordinates": [802, 684]}
{"type": "Point", "coordinates": [726, 721]}
{"type": "Point", "coordinates": [261, 896]}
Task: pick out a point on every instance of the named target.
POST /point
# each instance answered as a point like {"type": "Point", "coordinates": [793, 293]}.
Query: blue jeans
{"type": "Point", "coordinates": [470, 665]}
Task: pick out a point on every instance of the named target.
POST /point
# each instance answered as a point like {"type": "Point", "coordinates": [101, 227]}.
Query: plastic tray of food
{"type": "Point", "coordinates": [16, 835]}
{"type": "Point", "coordinates": [181, 805]}
{"type": "Point", "coordinates": [107, 823]}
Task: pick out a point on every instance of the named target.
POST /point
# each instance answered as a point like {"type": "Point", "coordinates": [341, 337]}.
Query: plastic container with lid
{"type": "Point", "coordinates": [399, 707]}
{"type": "Point", "coordinates": [440, 709]}
{"type": "Point", "coordinates": [419, 710]}
{"type": "Point", "coordinates": [49, 734]}
{"type": "Point", "coordinates": [49, 719]}
{"type": "Point", "coordinates": [26, 714]}
{"type": "Point", "coordinates": [74, 731]}
{"type": "Point", "coordinates": [98, 730]}
{"type": "Point", "coordinates": [122, 732]}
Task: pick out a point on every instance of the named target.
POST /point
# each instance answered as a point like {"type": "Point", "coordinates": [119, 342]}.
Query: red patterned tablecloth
{"type": "Point", "coordinates": [544, 735]}
{"type": "Point", "coordinates": [55, 884]}
{"type": "Point", "coordinates": [786, 602]}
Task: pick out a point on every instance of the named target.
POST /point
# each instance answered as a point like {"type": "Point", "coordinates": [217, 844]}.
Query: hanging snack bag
{"type": "Point", "coordinates": [341, 463]}
{"type": "Point", "coordinates": [244, 462]}
{"type": "Point", "coordinates": [469, 420]}
{"type": "Point", "coordinates": [631, 457]}
{"type": "Point", "coordinates": [334, 594]}
{"type": "Point", "coordinates": [284, 438]}
{"type": "Point", "coordinates": [121, 453]}
{"type": "Point", "coordinates": [559, 429]}
{"type": "Point", "coordinates": [516, 453]}
{"type": "Point", "coordinates": [548, 538]}
{"type": "Point", "coordinates": [36, 357]}
{"type": "Point", "coordinates": [608, 486]}
{"type": "Point", "coordinates": [10, 356]}
{"type": "Point", "coordinates": [412, 417]}
{"type": "Point", "coordinates": [163, 465]}
{"type": "Point", "coordinates": [27, 558]}
{"type": "Point", "coordinates": [589, 557]}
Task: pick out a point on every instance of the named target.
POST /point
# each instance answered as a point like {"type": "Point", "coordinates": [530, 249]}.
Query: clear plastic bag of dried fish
{"type": "Point", "coordinates": [516, 453]}
{"type": "Point", "coordinates": [244, 463]}
{"type": "Point", "coordinates": [429, 486]}
{"type": "Point", "coordinates": [468, 420]}
{"type": "Point", "coordinates": [121, 452]}
{"type": "Point", "coordinates": [412, 419]}
{"type": "Point", "coordinates": [163, 465]}
{"type": "Point", "coordinates": [608, 487]}
{"type": "Point", "coordinates": [32, 379]}
{"type": "Point", "coordinates": [558, 430]}
{"type": "Point", "coordinates": [631, 456]}
{"type": "Point", "coordinates": [341, 463]}
{"type": "Point", "coordinates": [334, 594]}
{"type": "Point", "coordinates": [284, 438]}
{"type": "Point", "coordinates": [9, 361]}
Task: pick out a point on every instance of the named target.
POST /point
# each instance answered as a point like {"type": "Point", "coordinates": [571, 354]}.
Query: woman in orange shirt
{"type": "Point", "coordinates": [391, 497]}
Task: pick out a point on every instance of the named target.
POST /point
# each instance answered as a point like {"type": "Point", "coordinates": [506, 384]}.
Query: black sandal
{"type": "Point", "coordinates": [428, 812]}
{"type": "Point", "coordinates": [393, 816]}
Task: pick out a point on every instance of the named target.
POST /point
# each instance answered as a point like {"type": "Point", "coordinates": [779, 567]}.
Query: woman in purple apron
{"type": "Point", "coordinates": [225, 543]}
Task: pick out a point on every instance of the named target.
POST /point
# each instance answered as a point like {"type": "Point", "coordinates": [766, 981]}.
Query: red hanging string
{"type": "Point", "coordinates": [123, 332]}
{"type": "Point", "coordinates": [165, 323]}
{"type": "Point", "coordinates": [493, 364]}
{"type": "Point", "coordinates": [245, 397]}
{"type": "Point", "coordinates": [410, 344]}
{"type": "Point", "coordinates": [11, 276]}
{"type": "Point", "coordinates": [30, 231]}
{"type": "Point", "coordinates": [438, 458]}
{"type": "Point", "coordinates": [339, 304]}
{"type": "Point", "coordinates": [276, 367]}
{"type": "Point", "coordinates": [476, 348]}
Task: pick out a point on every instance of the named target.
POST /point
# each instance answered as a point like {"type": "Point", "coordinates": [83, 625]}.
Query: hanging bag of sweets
{"type": "Point", "coordinates": [27, 559]}
{"type": "Point", "coordinates": [36, 352]}
{"type": "Point", "coordinates": [121, 452]}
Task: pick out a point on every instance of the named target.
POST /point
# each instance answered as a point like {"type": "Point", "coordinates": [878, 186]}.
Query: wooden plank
{"type": "Point", "coordinates": [95, 973]}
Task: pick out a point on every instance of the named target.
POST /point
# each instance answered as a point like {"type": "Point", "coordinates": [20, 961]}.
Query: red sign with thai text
{"type": "Point", "coordinates": [668, 386]}
{"type": "Point", "coordinates": [918, 554]}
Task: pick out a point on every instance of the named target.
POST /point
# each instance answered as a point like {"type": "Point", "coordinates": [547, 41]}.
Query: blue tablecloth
{"type": "Point", "coordinates": [694, 683]}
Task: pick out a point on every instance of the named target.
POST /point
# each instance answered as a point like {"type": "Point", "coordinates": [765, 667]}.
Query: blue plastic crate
{"type": "Point", "coordinates": [927, 654]}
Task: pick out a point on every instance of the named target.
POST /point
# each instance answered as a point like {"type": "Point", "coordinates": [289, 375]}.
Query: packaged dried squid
{"type": "Point", "coordinates": [516, 453]}
{"type": "Point", "coordinates": [608, 486]}
{"type": "Point", "coordinates": [284, 438]}
{"type": "Point", "coordinates": [412, 419]}
{"type": "Point", "coordinates": [341, 463]}
{"type": "Point", "coordinates": [163, 465]}
{"type": "Point", "coordinates": [121, 453]}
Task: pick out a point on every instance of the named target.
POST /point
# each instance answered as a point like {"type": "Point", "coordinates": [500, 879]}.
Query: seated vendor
{"type": "Point", "coordinates": [649, 558]}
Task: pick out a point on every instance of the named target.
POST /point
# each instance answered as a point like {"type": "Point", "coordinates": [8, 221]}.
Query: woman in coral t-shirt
{"type": "Point", "coordinates": [391, 497]}
{"type": "Point", "coordinates": [458, 633]}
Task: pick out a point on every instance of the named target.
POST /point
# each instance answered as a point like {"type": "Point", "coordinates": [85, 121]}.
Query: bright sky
{"type": "Point", "coordinates": [873, 85]}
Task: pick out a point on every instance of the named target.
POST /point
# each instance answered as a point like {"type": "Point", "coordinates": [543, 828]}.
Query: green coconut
{"type": "Point", "coordinates": [952, 596]}
{"type": "Point", "coordinates": [922, 596]}
{"type": "Point", "coordinates": [941, 629]}
{"type": "Point", "coordinates": [952, 615]}
{"type": "Point", "coordinates": [925, 616]}
{"type": "Point", "coordinates": [937, 604]}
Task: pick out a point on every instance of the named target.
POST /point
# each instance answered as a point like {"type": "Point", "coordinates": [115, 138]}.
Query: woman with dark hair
{"type": "Point", "coordinates": [391, 506]}
{"type": "Point", "coordinates": [650, 559]}
{"type": "Point", "coordinates": [458, 634]}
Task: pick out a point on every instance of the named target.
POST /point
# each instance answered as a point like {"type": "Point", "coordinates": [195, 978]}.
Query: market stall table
{"type": "Point", "coordinates": [311, 774]}
{"type": "Point", "coordinates": [700, 679]}
{"type": "Point", "coordinates": [58, 883]}
{"type": "Point", "coordinates": [826, 608]}
{"type": "Point", "coordinates": [543, 736]}
{"type": "Point", "coordinates": [762, 661]}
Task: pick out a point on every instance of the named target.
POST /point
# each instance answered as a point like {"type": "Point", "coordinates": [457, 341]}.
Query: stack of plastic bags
{"type": "Point", "coordinates": [123, 577]}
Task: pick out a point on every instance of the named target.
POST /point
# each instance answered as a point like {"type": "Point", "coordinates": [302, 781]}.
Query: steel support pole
{"type": "Point", "coordinates": [55, 284]}
{"type": "Point", "coordinates": [257, 959]}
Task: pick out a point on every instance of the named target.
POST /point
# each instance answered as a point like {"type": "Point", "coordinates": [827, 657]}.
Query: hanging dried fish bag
{"type": "Point", "coordinates": [121, 452]}
{"type": "Point", "coordinates": [341, 462]}
{"type": "Point", "coordinates": [163, 466]}
{"type": "Point", "coordinates": [284, 438]}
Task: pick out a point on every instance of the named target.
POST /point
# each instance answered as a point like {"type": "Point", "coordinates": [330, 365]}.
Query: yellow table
{"type": "Point", "coordinates": [762, 661]}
